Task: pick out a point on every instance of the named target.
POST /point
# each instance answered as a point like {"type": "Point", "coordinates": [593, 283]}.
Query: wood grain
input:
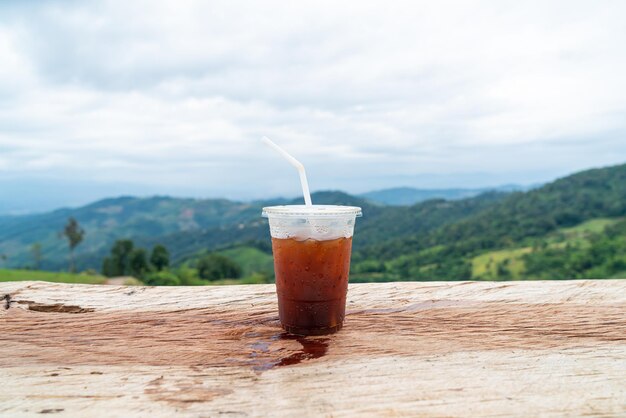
{"type": "Point", "coordinates": [431, 349]}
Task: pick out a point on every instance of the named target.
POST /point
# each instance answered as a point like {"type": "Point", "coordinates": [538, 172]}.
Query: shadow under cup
{"type": "Point", "coordinates": [312, 247]}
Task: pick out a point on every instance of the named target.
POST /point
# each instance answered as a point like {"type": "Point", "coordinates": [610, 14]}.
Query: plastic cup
{"type": "Point", "coordinates": [312, 247]}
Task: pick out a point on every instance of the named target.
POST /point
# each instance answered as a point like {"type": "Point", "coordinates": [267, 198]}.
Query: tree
{"type": "Point", "coordinates": [215, 267]}
{"type": "Point", "coordinates": [120, 257]}
{"type": "Point", "coordinates": [108, 267]}
{"type": "Point", "coordinates": [502, 271]}
{"type": "Point", "coordinates": [138, 262]}
{"type": "Point", "coordinates": [74, 234]}
{"type": "Point", "coordinates": [160, 257]}
{"type": "Point", "coordinates": [370, 266]}
{"type": "Point", "coordinates": [35, 250]}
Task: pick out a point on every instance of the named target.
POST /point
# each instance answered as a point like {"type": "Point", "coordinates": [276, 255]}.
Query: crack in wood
{"type": "Point", "coordinates": [51, 410]}
{"type": "Point", "coordinates": [53, 307]}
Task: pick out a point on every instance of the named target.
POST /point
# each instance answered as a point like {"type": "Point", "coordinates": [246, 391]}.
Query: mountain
{"type": "Point", "coordinates": [406, 196]}
{"type": "Point", "coordinates": [378, 224]}
{"type": "Point", "coordinates": [108, 220]}
{"type": "Point", "coordinates": [523, 221]}
{"type": "Point", "coordinates": [573, 227]}
{"type": "Point", "coordinates": [189, 226]}
{"type": "Point", "coordinates": [185, 244]}
{"type": "Point", "coordinates": [185, 225]}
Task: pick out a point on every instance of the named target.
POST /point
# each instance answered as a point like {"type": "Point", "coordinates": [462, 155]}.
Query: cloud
{"type": "Point", "coordinates": [177, 96]}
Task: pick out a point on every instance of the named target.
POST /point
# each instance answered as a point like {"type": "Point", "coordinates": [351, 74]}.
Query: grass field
{"type": "Point", "coordinates": [485, 265]}
{"type": "Point", "coordinates": [48, 276]}
{"type": "Point", "coordinates": [578, 235]}
{"type": "Point", "coordinates": [593, 226]}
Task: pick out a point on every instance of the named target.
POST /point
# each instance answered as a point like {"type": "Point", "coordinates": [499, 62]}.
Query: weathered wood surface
{"type": "Point", "coordinates": [432, 349]}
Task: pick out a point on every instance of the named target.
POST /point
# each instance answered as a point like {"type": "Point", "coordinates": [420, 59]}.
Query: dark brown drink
{"type": "Point", "coordinates": [312, 283]}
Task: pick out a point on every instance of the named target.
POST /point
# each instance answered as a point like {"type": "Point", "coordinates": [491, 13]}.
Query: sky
{"type": "Point", "coordinates": [172, 97]}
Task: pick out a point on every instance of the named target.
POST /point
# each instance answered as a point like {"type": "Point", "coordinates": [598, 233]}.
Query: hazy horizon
{"type": "Point", "coordinates": [82, 193]}
{"type": "Point", "coordinates": [44, 203]}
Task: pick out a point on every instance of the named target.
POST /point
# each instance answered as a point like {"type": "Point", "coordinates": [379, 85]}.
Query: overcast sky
{"type": "Point", "coordinates": [172, 97]}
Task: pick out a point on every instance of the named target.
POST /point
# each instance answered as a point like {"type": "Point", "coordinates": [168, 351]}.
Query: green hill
{"type": "Point", "coordinates": [517, 221]}
{"type": "Point", "coordinates": [380, 224]}
{"type": "Point", "coordinates": [570, 228]}
{"type": "Point", "coordinates": [530, 261]}
{"type": "Point", "coordinates": [187, 226]}
{"type": "Point", "coordinates": [108, 220]}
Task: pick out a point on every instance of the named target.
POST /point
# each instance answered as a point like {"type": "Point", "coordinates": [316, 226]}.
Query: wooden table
{"type": "Point", "coordinates": [432, 349]}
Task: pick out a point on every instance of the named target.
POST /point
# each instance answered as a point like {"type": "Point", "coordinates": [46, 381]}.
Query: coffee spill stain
{"type": "Point", "coordinates": [312, 348]}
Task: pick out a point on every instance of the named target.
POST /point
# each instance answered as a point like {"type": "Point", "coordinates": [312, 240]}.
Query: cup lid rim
{"type": "Point", "coordinates": [313, 210]}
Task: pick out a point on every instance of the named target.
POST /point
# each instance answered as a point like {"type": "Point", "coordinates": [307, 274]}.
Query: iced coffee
{"type": "Point", "coordinates": [312, 247]}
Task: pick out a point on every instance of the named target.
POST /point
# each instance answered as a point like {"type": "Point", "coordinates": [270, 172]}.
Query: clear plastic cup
{"type": "Point", "coordinates": [312, 247]}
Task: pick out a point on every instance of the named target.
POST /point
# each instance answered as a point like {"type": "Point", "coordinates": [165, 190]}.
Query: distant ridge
{"type": "Point", "coordinates": [406, 196]}
{"type": "Point", "coordinates": [552, 231]}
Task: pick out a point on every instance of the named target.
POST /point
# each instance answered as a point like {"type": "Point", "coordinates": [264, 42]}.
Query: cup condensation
{"type": "Point", "coordinates": [312, 247]}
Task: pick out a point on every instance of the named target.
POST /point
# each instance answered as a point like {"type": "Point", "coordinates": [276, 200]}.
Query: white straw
{"type": "Point", "coordinates": [297, 164]}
